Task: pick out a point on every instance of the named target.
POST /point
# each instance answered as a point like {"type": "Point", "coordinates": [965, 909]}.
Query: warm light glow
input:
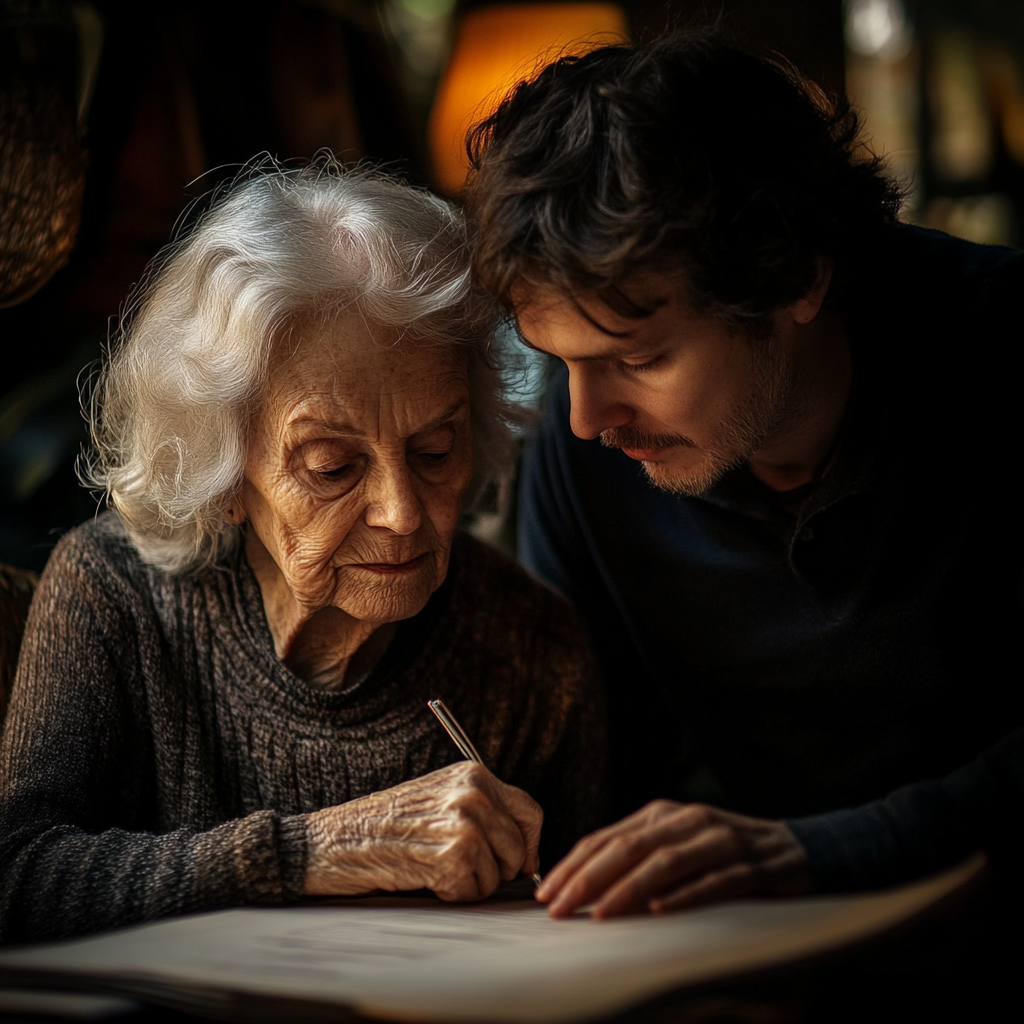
{"type": "Point", "coordinates": [877, 28]}
{"type": "Point", "coordinates": [497, 47]}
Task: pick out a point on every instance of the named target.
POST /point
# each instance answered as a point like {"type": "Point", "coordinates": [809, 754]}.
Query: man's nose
{"type": "Point", "coordinates": [594, 404]}
{"type": "Point", "coordinates": [393, 502]}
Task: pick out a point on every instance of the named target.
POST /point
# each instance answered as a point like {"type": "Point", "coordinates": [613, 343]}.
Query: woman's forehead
{"type": "Point", "coordinates": [349, 340]}
{"type": "Point", "coordinates": [347, 371]}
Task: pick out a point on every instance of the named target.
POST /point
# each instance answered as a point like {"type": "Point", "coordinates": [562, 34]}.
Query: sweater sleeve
{"type": "Point", "coordinates": [924, 826]}
{"type": "Point", "coordinates": [80, 846]}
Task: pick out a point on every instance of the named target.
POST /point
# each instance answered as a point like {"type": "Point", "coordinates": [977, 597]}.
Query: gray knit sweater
{"type": "Point", "coordinates": [158, 758]}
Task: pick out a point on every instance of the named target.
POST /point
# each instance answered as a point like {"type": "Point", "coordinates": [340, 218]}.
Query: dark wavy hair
{"type": "Point", "coordinates": [686, 154]}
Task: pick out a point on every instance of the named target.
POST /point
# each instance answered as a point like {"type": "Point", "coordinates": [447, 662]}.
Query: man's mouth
{"type": "Point", "coordinates": [642, 445]}
{"type": "Point", "coordinates": [645, 454]}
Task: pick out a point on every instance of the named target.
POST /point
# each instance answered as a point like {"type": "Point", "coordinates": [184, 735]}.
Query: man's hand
{"type": "Point", "coordinates": [669, 855]}
{"type": "Point", "coordinates": [457, 831]}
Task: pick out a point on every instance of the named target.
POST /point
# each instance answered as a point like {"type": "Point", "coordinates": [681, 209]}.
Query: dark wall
{"type": "Point", "coordinates": [186, 93]}
{"type": "Point", "coordinates": [809, 33]}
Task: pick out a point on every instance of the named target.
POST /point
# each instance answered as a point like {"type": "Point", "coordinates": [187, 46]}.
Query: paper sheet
{"type": "Point", "coordinates": [504, 962]}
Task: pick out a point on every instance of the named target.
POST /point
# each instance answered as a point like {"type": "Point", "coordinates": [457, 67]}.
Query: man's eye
{"type": "Point", "coordinates": [650, 364]}
{"type": "Point", "coordinates": [434, 458]}
{"type": "Point", "coordinates": [334, 472]}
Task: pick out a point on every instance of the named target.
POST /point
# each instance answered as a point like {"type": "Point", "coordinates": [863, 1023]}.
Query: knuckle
{"type": "Point", "coordinates": [464, 844]}
{"type": "Point", "coordinates": [458, 860]}
{"type": "Point", "coordinates": [588, 843]}
{"type": "Point", "coordinates": [667, 859]}
{"type": "Point", "coordinates": [660, 807]}
{"type": "Point", "coordinates": [738, 844]}
{"type": "Point", "coordinates": [699, 815]}
{"type": "Point", "coordinates": [624, 844]}
{"type": "Point", "coordinates": [578, 890]}
{"type": "Point", "coordinates": [464, 804]}
{"type": "Point", "coordinates": [475, 773]}
{"type": "Point", "coordinates": [474, 799]}
{"type": "Point", "coordinates": [535, 810]}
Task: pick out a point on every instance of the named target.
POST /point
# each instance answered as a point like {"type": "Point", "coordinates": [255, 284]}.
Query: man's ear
{"type": "Point", "coordinates": [807, 307]}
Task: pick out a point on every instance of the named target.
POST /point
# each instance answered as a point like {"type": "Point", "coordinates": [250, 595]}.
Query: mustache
{"type": "Point", "coordinates": [633, 437]}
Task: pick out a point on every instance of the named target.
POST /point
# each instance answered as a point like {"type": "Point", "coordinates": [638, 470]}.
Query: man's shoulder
{"type": "Point", "coordinates": [956, 250]}
{"type": "Point", "coordinates": [952, 273]}
{"type": "Point", "coordinates": [493, 586]}
{"type": "Point", "coordinates": [520, 640]}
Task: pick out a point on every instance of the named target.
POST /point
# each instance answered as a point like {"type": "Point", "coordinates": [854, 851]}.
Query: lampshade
{"type": "Point", "coordinates": [496, 47]}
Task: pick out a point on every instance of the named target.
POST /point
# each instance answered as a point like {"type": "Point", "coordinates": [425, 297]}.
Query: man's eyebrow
{"type": "Point", "coordinates": [612, 353]}
{"type": "Point", "coordinates": [597, 323]}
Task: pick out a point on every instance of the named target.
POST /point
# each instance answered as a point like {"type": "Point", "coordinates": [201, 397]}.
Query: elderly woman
{"type": "Point", "coordinates": [221, 697]}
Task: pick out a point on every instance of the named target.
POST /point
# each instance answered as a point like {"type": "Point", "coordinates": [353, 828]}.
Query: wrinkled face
{"type": "Point", "coordinates": [677, 390]}
{"type": "Point", "coordinates": [359, 455]}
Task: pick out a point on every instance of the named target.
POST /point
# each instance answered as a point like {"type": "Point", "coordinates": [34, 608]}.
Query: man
{"type": "Point", "coordinates": [781, 477]}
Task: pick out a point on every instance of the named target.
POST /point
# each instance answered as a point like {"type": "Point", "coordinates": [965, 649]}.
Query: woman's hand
{"type": "Point", "coordinates": [457, 831]}
{"type": "Point", "coordinates": [669, 855]}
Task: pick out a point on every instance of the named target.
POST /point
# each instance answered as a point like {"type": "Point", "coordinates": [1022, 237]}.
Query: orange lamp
{"type": "Point", "coordinates": [496, 47]}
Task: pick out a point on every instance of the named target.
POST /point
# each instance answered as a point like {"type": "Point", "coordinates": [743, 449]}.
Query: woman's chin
{"type": "Point", "coordinates": [384, 596]}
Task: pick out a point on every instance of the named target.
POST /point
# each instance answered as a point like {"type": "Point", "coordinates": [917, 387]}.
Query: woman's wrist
{"type": "Point", "coordinates": [335, 853]}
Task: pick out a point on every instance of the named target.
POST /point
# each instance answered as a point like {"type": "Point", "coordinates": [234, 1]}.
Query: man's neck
{"type": "Point", "coordinates": [806, 445]}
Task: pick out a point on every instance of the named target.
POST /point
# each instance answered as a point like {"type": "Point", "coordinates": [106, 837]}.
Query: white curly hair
{"type": "Point", "coordinates": [170, 408]}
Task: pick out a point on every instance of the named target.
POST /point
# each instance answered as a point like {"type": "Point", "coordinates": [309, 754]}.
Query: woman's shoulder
{"type": "Point", "coordinates": [98, 561]}
{"type": "Point", "coordinates": [97, 546]}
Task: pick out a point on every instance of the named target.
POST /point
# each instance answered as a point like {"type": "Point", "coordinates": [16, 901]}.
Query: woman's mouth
{"type": "Point", "coordinates": [392, 568]}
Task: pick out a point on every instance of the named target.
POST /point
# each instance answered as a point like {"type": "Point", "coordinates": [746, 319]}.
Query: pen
{"type": "Point", "coordinates": [464, 743]}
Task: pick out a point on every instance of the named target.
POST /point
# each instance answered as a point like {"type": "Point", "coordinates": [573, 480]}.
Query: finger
{"type": "Point", "coordinates": [658, 823]}
{"type": "Point", "coordinates": [615, 858]}
{"type": "Point", "coordinates": [482, 801]}
{"type": "Point", "coordinates": [664, 868]}
{"type": "Point", "coordinates": [728, 884]}
{"type": "Point", "coordinates": [573, 861]}
{"type": "Point", "coordinates": [486, 876]}
{"type": "Point", "coordinates": [471, 872]}
{"type": "Point", "coordinates": [504, 840]}
{"type": "Point", "coordinates": [529, 819]}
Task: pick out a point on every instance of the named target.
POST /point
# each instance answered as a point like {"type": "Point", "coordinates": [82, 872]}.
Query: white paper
{"type": "Point", "coordinates": [509, 962]}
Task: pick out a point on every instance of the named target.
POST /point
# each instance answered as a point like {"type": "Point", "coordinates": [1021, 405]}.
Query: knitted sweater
{"type": "Point", "coordinates": [158, 758]}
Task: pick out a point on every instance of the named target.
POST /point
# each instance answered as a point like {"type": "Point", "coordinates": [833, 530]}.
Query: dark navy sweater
{"type": "Point", "coordinates": [788, 666]}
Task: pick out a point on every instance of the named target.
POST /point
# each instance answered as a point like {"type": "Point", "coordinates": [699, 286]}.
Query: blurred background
{"type": "Point", "coordinates": [116, 116]}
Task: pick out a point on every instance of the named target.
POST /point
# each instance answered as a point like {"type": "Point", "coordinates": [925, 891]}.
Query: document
{"type": "Point", "coordinates": [418, 959]}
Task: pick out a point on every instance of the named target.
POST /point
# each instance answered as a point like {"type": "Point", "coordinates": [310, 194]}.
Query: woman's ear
{"type": "Point", "coordinates": [235, 513]}
{"type": "Point", "coordinates": [807, 307]}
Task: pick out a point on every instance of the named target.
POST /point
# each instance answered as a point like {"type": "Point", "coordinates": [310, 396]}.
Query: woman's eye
{"type": "Point", "coordinates": [335, 472]}
{"type": "Point", "coordinates": [434, 458]}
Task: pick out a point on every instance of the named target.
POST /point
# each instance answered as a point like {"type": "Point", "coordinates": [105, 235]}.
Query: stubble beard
{"type": "Point", "coordinates": [742, 433]}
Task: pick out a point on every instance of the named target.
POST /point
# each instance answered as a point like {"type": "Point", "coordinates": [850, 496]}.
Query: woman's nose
{"type": "Point", "coordinates": [393, 502]}
{"type": "Point", "coordinates": [594, 405]}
